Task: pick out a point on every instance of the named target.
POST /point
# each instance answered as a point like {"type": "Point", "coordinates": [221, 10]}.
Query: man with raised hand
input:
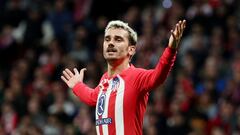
{"type": "Point", "coordinates": [122, 94]}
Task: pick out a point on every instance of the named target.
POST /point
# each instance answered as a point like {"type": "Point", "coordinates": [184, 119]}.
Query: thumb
{"type": "Point", "coordinates": [82, 74]}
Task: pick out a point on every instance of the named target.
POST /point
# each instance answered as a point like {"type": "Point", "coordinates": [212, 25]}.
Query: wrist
{"type": "Point", "coordinates": [173, 45]}
{"type": "Point", "coordinates": [171, 49]}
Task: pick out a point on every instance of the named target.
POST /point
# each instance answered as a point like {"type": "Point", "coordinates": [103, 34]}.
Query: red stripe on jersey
{"type": "Point", "coordinates": [100, 126]}
{"type": "Point", "coordinates": [111, 113]}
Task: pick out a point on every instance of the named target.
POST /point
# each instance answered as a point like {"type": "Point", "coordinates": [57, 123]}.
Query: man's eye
{"type": "Point", "coordinates": [118, 39]}
{"type": "Point", "coordinates": [107, 39]}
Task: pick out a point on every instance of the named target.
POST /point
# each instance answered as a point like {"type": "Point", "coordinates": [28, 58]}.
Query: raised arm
{"type": "Point", "coordinates": [152, 78]}
{"type": "Point", "coordinates": [75, 82]}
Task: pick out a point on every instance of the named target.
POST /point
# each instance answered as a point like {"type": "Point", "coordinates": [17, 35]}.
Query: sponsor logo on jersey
{"type": "Point", "coordinates": [101, 104]}
{"type": "Point", "coordinates": [103, 121]}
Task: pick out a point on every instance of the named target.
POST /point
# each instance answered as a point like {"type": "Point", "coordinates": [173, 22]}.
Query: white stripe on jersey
{"type": "Point", "coordinates": [96, 115]}
{"type": "Point", "coordinates": [105, 114]}
{"type": "Point", "coordinates": [119, 108]}
{"type": "Point", "coordinates": [97, 128]}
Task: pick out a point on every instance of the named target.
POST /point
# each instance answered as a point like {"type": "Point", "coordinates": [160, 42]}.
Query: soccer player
{"type": "Point", "coordinates": [122, 93]}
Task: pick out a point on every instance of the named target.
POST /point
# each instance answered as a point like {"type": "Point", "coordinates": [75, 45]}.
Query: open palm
{"type": "Point", "coordinates": [70, 78]}
{"type": "Point", "coordinates": [176, 34]}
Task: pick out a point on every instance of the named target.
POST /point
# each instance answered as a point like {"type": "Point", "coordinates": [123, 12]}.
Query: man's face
{"type": "Point", "coordinates": [116, 44]}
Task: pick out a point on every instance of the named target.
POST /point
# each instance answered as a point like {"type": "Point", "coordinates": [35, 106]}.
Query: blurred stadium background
{"type": "Point", "coordinates": [39, 38]}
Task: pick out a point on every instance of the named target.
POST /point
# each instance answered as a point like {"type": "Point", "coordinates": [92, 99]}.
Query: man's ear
{"type": "Point", "coordinates": [132, 50]}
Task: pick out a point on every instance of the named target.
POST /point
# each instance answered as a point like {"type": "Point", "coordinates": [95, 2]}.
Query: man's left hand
{"type": "Point", "coordinates": [176, 34]}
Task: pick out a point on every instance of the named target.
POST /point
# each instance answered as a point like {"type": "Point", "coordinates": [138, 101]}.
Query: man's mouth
{"type": "Point", "coordinates": [111, 50]}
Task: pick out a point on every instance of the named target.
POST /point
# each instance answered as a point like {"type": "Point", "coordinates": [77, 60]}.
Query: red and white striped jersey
{"type": "Point", "coordinates": [121, 100]}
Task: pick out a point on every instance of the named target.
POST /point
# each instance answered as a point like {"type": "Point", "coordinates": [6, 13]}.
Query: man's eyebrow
{"type": "Point", "coordinates": [118, 36]}
{"type": "Point", "coordinates": [106, 36]}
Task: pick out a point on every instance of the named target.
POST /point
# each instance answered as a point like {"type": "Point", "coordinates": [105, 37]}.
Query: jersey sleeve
{"type": "Point", "coordinates": [86, 94]}
{"type": "Point", "coordinates": [149, 79]}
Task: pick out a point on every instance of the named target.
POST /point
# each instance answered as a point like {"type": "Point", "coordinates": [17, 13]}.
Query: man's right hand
{"type": "Point", "coordinates": [70, 78]}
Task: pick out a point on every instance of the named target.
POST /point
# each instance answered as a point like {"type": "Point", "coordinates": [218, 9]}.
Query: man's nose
{"type": "Point", "coordinates": [110, 44]}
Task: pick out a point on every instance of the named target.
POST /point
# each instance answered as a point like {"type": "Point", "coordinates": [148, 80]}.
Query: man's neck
{"type": "Point", "coordinates": [115, 68]}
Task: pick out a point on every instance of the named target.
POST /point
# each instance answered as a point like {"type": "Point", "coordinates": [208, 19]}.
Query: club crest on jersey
{"type": "Point", "coordinates": [104, 84]}
{"type": "Point", "coordinates": [101, 103]}
{"type": "Point", "coordinates": [115, 83]}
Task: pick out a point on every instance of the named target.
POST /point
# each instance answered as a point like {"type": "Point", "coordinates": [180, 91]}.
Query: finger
{"type": "Point", "coordinates": [69, 72]}
{"type": "Point", "coordinates": [178, 30]}
{"type": "Point", "coordinates": [82, 71]}
{"type": "Point", "coordinates": [75, 71]}
{"type": "Point", "coordinates": [182, 25]}
{"type": "Point", "coordinates": [66, 74]}
{"type": "Point", "coordinates": [64, 79]}
{"type": "Point", "coordinates": [184, 22]}
{"type": "Point", "coordinates": [179, 24]}
{"type": "Point", "coordinates": [172, 33]}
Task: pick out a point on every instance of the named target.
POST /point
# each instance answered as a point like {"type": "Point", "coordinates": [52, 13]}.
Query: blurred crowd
{"type": "Point", "coordinates": [40, 38]}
